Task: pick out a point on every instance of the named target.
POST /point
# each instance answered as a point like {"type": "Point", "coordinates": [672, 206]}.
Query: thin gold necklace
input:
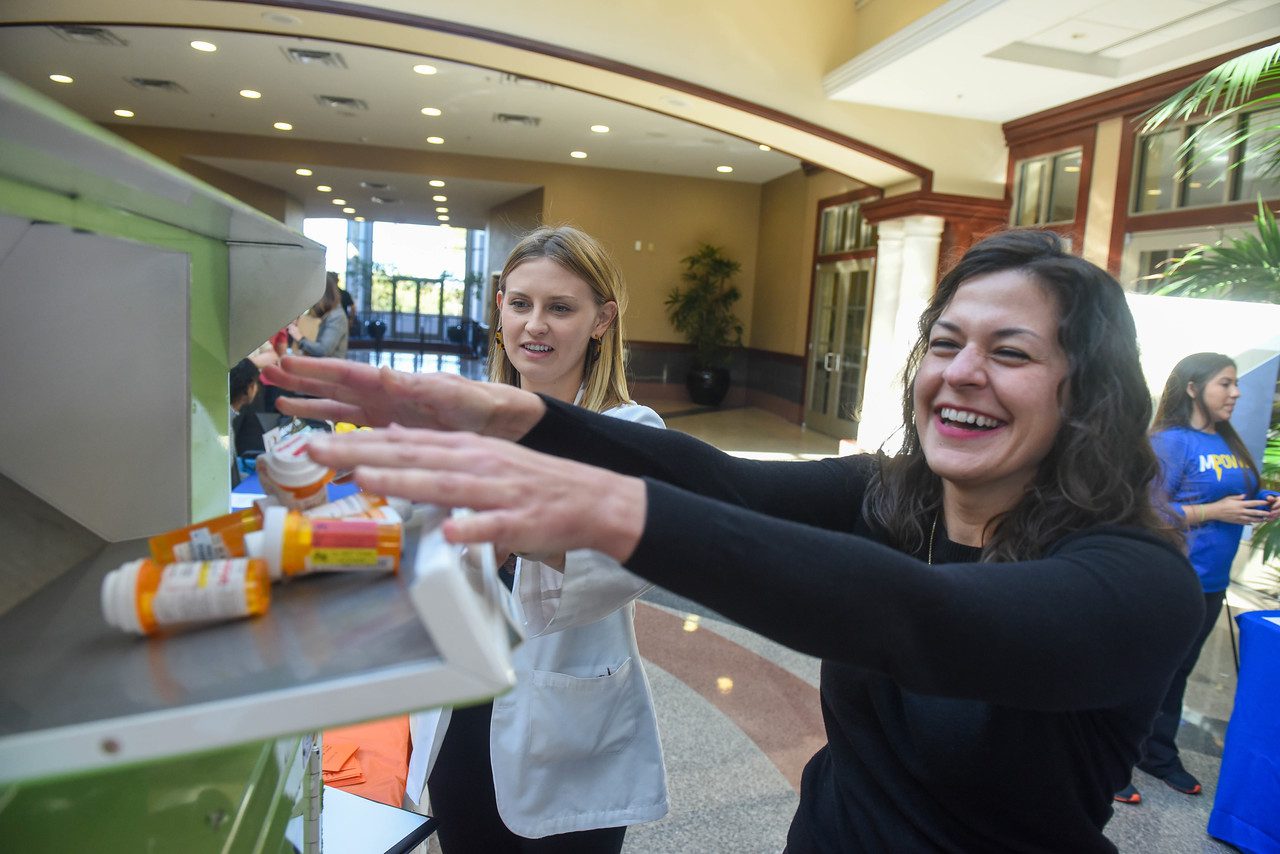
{"type": "Point", "coordinates": [932, 531]}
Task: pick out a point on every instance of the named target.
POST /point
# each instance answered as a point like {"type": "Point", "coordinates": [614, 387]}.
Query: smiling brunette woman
{"type": "Point", "coordinates": [967, 596]}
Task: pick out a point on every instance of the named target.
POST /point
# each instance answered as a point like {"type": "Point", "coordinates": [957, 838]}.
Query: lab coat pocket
{"type": "Point", "coordinates": [576, 717]}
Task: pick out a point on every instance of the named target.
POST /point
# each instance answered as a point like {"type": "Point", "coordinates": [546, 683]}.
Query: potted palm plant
{"type": "Point", "coordinates": [702, 311]}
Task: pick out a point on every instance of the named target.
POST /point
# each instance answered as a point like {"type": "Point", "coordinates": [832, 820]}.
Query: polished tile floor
{"type": "Point", "coordinates": [739, 714]}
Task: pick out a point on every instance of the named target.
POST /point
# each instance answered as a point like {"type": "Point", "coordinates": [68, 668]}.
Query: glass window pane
{"type": "Point", "coordinates": [1029, 178]}
{"type": "Point", "coordinates": [1066, 186]}
{"type": "Point", "coordinates": [1262, 150]}
{"type": "Point", "coordinates": [827, 238]}
{"type": "Point", "coordinates": [1207, 182]}
{"type": "Point", "coordinates": [1156, 171]}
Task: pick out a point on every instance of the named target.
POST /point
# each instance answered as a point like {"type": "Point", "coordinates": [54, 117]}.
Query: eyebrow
{"type": "Point", "coordinates": [511, 292]}
{"type": "Point", "coordinates": [1003, 332]}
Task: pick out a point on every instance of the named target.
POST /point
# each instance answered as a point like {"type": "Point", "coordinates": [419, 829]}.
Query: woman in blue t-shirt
{"type": "Point", "coordinates": [1212, 481]}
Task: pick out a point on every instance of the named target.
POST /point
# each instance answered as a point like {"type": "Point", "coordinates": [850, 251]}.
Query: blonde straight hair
{"type": "Point", "coordinates": [604, 377]}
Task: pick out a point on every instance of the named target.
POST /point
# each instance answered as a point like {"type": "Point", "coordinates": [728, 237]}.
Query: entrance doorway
{"type": "Point", "coordinates": [838, 347]}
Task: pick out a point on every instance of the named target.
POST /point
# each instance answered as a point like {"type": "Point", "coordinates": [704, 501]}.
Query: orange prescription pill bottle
{"type": "Point", "coordinates": [293, 544]}
{"type": "Point", "coordinates": [360, 505]}
{"type": "Point", "coordinates": [213, 539]}
{"type": "Point", "coordinates": [289, 475]}
{"type": "Point", "coordinates": [144, 597]}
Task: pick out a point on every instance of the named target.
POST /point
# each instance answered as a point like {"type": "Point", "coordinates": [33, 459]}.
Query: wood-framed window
{"type": "Point", "coordinates": [1166, 180]}
{"type": "Point", "coordinates": [1046, 188]}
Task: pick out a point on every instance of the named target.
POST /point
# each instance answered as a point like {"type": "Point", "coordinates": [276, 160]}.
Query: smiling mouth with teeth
{"type": "Point", "coordinates": [538, 348]}
{"type": "Point", "coordinates": [967, 420]}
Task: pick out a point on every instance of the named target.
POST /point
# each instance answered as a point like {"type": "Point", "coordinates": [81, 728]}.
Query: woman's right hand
{"type": "Point", "coordinates": [1236, 510]}
{"type": "Point", "coordinates": [361, 394]}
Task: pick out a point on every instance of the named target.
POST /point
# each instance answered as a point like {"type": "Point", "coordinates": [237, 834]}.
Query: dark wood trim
{"type": "Point", "coordinates": [1192, 217]}
{"type": "Point", "coordinates": [1131, 98]}
{"type": "Point", "coordinates": [591, 60]}
{"type": "Point", "coordinates": [775, 356]}
{"type": "Point", "coordinates": [851, 196]}
{"type": "Point", "coordinates": [1122, 195]}
{"type": "Point", "coordinates": [659, 345]}
{"type": "Point", "coordinates": [945, 205]}
{"type": "Point", "coordinates": [854, 255]}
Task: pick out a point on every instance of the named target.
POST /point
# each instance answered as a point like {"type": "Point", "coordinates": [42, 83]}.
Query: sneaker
{"type": "Point", "coordinates": [1181, 781]}
{"type": "Point", "coordinates": [1128, 795]}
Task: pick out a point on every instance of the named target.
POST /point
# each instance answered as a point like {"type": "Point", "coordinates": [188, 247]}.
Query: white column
{"type": "Point", "coordinates": [906, 275]}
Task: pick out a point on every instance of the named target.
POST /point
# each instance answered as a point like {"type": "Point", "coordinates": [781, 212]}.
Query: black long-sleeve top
{"type": "Point", "coordinates": [968, 706]}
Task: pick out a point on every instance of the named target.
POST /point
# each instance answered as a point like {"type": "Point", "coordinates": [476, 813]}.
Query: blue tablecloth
{"type": "Point", "coordinates": [1246, 811]}
{"type": "Point", "coordinates": [251, 486]}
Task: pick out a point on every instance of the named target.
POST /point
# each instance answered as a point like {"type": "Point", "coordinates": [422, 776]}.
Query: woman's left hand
{"type": "Point", "coordinates": [529, 502]}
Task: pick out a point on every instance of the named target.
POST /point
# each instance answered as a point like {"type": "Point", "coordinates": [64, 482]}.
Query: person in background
{"type": "Point", "coordinates": [968, 596]}
{"type": "Point", "coordinates": [331, 339]}
{"type": "Point", "coordinates": [1211, 482]}
{"type": "Point", "coordinates": [348, 308]}
{"type": "Point", "coordinates": [570, 757]}
{"type": "Point", "coordinates": [246, 429]}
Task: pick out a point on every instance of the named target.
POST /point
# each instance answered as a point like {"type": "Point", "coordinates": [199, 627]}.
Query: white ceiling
{"type": "Point", "coordinates": [999, 60]}
{"type": "Point", "coordinates": [393, 95]}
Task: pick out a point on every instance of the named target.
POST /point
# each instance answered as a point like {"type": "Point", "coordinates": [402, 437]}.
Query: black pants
{"type": "Point", "coordinates": [462, 799]}
{"type": "Point", "coordinates": [1160, 751]}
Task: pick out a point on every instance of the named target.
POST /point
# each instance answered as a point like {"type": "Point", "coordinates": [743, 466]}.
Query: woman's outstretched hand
{"type": "Point", "coordinates": [362, 394]}
{"type": "Point", "coordinates": [529, 502]}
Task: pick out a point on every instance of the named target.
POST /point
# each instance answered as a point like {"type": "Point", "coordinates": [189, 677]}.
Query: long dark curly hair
{"type": "Point", "coordinates": [1177, 407]}
{"type": "Point", "coordinates": [1100, 469]}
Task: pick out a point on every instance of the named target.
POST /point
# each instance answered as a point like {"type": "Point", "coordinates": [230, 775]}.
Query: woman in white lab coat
{"type": "Point", "coordinates": [573, 751]}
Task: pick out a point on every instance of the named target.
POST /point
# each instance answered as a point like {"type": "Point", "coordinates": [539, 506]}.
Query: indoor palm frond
{"type": "Point", "coordinates": [1244, 268]}
{"type": "Point", "coordinates": [1267, 535]}
{"type": "Point", "coordinates": [1224, 93]}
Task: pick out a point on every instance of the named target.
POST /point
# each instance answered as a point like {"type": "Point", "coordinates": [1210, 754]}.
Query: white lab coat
{"type": "Point", "coordinates": [574, 745]}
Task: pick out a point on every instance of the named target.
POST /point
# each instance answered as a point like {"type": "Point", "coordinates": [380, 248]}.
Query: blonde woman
{"type": "Point", "coordinates": [572, 752]}
{"type": "Point", "coordinates": [331, 339]}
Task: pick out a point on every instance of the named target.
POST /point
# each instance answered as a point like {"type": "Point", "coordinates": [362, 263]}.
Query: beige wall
{"type": "Point", "coordinates": [1103, 178]}
{"type": "Point", "coordinates": [788, 222]}
{"type": "Point", "coordinates": [668, 216]}
{"type": "Point", "coordinates": [510, 221]}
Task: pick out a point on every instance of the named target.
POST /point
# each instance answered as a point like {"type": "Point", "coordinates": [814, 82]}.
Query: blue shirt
{"type": "Point", "coordinates": [1200, 468]}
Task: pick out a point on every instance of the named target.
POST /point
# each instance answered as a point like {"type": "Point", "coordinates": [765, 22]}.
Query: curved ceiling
{"type": "Point", "coordinates": [367, 24]}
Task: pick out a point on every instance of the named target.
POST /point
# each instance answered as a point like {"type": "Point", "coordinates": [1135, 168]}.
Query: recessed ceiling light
{"type": "Point", "coordinates": [425, 69]}
{"type": "Point", "coordinates": [61, 78]}
{"type": "Point", "coordinates": [579, 155]}
{"type": "Point", "coordinates": [339, 201]}
{"type": "Point", "coordinates": [443, 217]}
{"type": "Point", "coordinates": [436, 140]}
{"type": "Point", "coordinates": [430, 111]}
{"type": "Point", "coordinates": [204, 47]}
{"type": "Point", "coordinates": [599, 128]}
{"type": "Point", "coordinates": [439, 198]}
{"type": "Point", "coordinates": [304, 172]}
{"type": "Point", "coordinates": [1070, 168]}
{"type": "Point", "coordinates": [124, 114]}
{"type": "Point", "coordinates": [724, 169]}
{"type": "Point", "coordinates": [764, 147]}
{"type": "Point", "coordinates": [282, 126]}
{"type": "Point", "coordinates": [251, 94]}
{"type": "Point", "coordinates": [359, 219]}
{"type": "Point", "coordinates": [348, 210]}
{"type": "Point", "coordinates": [436, 183]}
{"type": "Point", "coordinates": [1153, 192]}
{"type": "Point", "coordinates": [442, 210]}
{"type": "Point", "coordinates": [324, 188]}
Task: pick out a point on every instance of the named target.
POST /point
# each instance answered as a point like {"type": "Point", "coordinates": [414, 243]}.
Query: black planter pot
{"type": "Point", "coordinates": [707, 386]}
